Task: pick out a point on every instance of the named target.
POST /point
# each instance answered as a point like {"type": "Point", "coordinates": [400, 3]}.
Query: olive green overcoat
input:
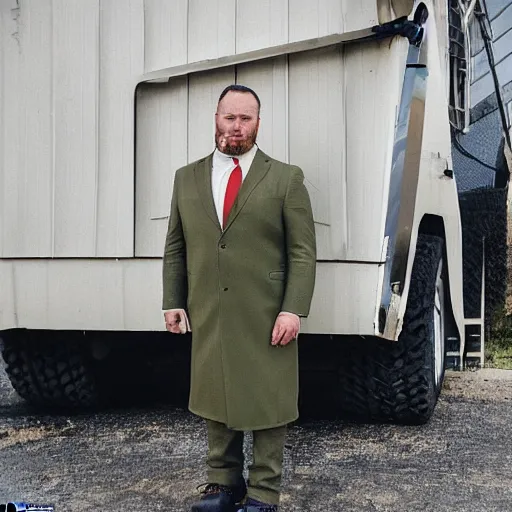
{"type": "Point", "coordinates": [234, 283]}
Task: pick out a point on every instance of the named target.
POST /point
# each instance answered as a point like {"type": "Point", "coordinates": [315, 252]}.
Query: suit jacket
{"type": "Point", "coordinates": [234, 283]}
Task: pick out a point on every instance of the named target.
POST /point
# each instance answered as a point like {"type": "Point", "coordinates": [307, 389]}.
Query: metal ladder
{"type": "Point", "coordinates": [473, 355]}
{"type": "Point", "coordinates": [474, 330]}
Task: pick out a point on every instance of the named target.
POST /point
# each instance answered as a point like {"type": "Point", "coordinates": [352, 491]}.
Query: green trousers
{"type": "Point", "coordinates": [226, 460]}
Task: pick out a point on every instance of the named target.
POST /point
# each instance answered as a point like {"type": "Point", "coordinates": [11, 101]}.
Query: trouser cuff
{"type": "Point", "coordinates": [225, 477]}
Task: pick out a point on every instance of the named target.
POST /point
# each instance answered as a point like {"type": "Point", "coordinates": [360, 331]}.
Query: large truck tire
{"type": "Point", "coordinates": [54, 373]}
{"type": "Point", "coordinates": [401, 381]}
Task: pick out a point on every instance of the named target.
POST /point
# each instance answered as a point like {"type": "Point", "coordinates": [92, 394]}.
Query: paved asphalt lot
{"type": "Point", "coordinates": [151, 457]}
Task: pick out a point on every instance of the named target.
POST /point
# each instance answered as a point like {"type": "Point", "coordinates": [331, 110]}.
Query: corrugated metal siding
{"type": "Point", "coordinates": [352, 95]}
{"type": "Point", "coordinates": [68, 74]}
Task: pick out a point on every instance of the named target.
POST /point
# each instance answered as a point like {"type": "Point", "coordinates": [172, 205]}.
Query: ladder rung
{"type": "Point", "coordinates": [473, 321]}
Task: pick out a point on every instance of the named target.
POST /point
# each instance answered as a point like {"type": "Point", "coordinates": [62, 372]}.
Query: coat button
{"type": "Point", "coordinates": [223, 246]}
{"type": "Point", "coordinates": [225, 289]}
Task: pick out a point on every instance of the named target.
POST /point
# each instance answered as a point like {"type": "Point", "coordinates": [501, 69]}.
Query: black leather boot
{"type": "Point", "coordinates": [220, 498]}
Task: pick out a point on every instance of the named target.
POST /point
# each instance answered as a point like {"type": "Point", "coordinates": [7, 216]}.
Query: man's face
{"type": "Point", "coordinates": [236, 123]}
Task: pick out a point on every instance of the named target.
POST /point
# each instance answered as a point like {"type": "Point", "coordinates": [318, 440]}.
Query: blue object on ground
{"type": "Point", "coordinates": [17, 506]}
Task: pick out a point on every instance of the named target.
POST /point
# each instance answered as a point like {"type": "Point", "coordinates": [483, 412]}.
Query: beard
{"type": "Point", "coordinates": [236, 148]}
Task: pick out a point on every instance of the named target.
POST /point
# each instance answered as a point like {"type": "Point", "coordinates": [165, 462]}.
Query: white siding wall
{"type": "Point", "coordinates": [121, 58]}
{"type": "Point", "coordinates": [68, 72]}
{"type": "Point", "coordinates": [330, 111]}
{"type": "Point", "coordinates": [165, 33]}
{"type": "Point", "coordinates": [270, 79]}
{"type": "Point", "coordinates": [127, 296]}
{"type": "Point", "coordinates": [211, 29]}
{"type": "Point", "coordinates": [75, 93]}
{"type": "Point", "coordinates": [161, 149]}
{"type": "Point", "coordinates": [261, 24]}
{"type": "Point", "coordinates": [26, 152]}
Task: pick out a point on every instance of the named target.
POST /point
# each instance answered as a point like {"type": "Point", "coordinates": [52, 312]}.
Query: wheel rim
{"type": "Point", "coordinates": [439, 326]}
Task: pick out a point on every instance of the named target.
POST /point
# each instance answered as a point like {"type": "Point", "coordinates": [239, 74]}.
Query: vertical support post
{"type": "Point", "coordinates": [482, 310]}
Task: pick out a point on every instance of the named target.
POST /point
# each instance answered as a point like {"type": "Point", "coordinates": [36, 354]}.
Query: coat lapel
{"type": "Point", "coordinates": [259, 168]}
{"type": "Point", "coordinates": [203, 175]}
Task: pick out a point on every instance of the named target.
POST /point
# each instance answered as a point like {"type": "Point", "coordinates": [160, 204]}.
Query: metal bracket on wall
{"type": "Point", "coordinates": [410, 29]}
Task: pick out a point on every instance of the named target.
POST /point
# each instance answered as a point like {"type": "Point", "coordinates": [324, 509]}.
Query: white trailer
{"type": "Point", "coordinates": [101, 101]}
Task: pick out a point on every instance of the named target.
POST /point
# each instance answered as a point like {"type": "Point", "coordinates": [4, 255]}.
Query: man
{"type": "Point", "coordinates": [240, 258]}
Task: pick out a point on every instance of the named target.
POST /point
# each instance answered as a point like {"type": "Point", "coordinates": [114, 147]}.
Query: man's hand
{"type": "Point", "coordinates": [286, 328]}
{"type": "Point", "coordinates": [223, 142]}
{"type": "Point", "coordinates": [176, 321]}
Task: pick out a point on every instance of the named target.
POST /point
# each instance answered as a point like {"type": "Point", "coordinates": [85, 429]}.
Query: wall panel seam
{"type": "Point", "coordinates": [98, 130]}
{"type": "Point", "coordinates": [236, 31]}
{"type": "Point", "coordinates": [188, 119]}
{"type": "Point", "coordinates": [188, 35]}
{"type": "Point", "coordinates": [52, 104]}
{"type": "Point", "coordinates": [144, 36]}
{"type": "Point", "coordinates": [288, 21]}
{"type": "Point", "coordinates": [343, 57]}
{"type": "Point", "coordinates": [2, 132]}
{"type": "Point", "coordinates": [287, 107]}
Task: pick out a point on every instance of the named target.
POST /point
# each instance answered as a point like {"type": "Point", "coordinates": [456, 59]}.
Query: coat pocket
{"type": "Point", "coordinates": [277, 275]}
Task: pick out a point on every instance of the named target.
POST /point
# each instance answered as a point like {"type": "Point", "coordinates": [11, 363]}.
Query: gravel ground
{"type": "Point", "coordinates": [151, 458]}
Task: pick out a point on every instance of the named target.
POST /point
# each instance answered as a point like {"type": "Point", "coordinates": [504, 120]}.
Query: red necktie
{"type": "Point", "coordinates": [234, 183]}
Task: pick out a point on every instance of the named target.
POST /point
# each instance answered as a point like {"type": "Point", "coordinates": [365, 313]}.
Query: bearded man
{"type": "Point", "coordinates": [239, 271]}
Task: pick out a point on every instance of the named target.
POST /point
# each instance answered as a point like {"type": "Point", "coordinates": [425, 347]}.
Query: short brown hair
{"type": "Point", "coordinates": [239, 88]}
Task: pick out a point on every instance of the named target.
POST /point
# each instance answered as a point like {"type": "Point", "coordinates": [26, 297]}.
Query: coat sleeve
{"type": "Point", "coordinates": [300, 246]}
{"type": "Point", "coordinates": [174, 261]}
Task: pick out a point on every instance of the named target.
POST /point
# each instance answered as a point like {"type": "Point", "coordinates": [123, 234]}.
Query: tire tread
{"type": "Point", "coordinates": [49, 372]}
{"type": "Point", "coordinates": [393, 381]}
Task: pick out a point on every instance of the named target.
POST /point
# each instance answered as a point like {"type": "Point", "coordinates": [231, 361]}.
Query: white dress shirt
{"type": "Point", "coordinates": [222, 166]}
